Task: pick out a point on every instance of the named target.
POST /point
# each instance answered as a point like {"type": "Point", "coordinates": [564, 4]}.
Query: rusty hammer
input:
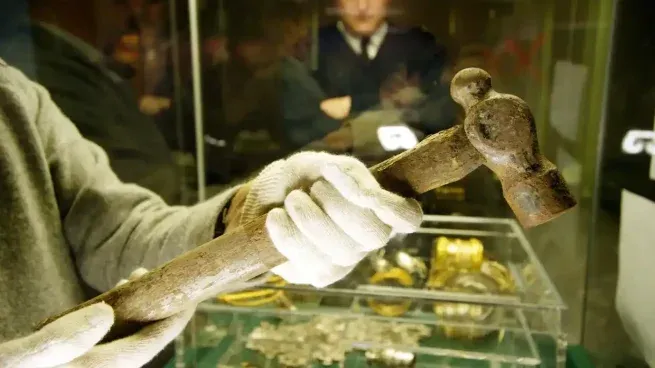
{"type": "Point", "coordinates": [498, 131]}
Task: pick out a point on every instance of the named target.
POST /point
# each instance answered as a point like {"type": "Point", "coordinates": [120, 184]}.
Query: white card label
{"type": "Point", "coordinates": [635, 293]}
{"type": "Point", "coordinates": [395, 138]}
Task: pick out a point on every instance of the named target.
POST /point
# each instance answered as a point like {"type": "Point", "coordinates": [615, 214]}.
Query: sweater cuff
{"type": "Point", "coordinates": [204, 217]}
{"type": "Point", "coordinates": [221, 226]}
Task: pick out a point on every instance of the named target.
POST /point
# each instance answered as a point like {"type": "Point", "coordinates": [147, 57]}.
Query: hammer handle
{"type": "Point", "coordinates": [248, 251]}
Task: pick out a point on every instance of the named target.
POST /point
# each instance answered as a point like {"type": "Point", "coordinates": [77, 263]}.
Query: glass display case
{"type": "Point", "coordinates": [190, 97]}
{"type": "Point", "coordinates": [460, 292]}
{"type": "Point", "coordinates": [553, 54]}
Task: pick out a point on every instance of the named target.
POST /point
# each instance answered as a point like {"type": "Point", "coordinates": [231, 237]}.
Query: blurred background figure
{"type": "Point", "coordinates": [143, 44]}
{"type": "Point", "coordinates": [90, 89]}
{"type": "Point", "coordinates": [367, 63]}
{"type": "Point", "coordinates": [245, 100]}
{"type": "Point", "coordinates": [285, 75]}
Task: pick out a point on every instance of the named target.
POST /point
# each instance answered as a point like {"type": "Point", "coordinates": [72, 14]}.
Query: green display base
{"type": "Point", "coordinates": [577, 357]}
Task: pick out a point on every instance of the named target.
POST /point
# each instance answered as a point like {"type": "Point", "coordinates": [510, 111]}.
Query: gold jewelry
{"type": "Point", "coordinates": [491, 278]}
{"type": "Point", "coordinates": [329, 339]}
{"type": "Point", "coordinates": [389, 310]}
{"type": "Point", "coordinates": [457, 253]}
{"type": "Point", "coordinates": [390, 358]}
{"type": "Point", "coordinates": [450, 193]}
{"type": "Point", "coordinates": [252, 298]}
{"type": "Point", "coordinates": [378, 261]}
{"type": "Point", "coordinates": [414, 265]}
{"type": "Point", "coordinates": [386, 308]}
{"type": "Point", "coordinates": [459, 265]}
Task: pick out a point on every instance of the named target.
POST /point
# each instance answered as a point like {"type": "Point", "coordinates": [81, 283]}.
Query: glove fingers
{"type": "Point", "coordinates": [293, 245]}
{"type": "Point", "coordinates": [295, 275]}
{"type": "Point", "coordinates": [267, 191]}
{"type": "Point", "coordinates": [138, 349]}
{"type": "Point", "coordinates": [306, 264]}
{"type": "Point", "coordinates": [121, 282]}
{"type": "Point", "coordinates": [272, 185]}
{"type": "Point", "coordinates": [321, 230]}
{"type": "Point", "coordinates": [336, 273]}
{"type": "Point", "coordinates": [403, 215]}
{"type": "Point", "coordinates": [137, 273]}
{"type": "Point", "coordinates": [290, 273]}
{"type": "Point", "coordinates": [306, 165]}
{"type": "Point", "coordinates": [133, 276]}
{"type": "Point", "coordinates": [361, 224]}
{"type": "Point", "coordinates": [60, 341]}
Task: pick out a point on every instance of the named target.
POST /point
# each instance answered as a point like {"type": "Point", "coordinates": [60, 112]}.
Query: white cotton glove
{"type": "Point", "coordinates": [70, 341]}
{"type": "Point", "coordinates": [326, 213]}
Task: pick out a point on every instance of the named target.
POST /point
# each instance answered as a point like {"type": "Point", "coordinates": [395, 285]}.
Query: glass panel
{"type": "Point", "coordinates": [621, 227]}
{"type": "Point", "coordinates": [189, 97]}
{"type": "Point", "coordinates": [290, 76]}
{"type": "Point", "coordinates": [113, 68]}
{"type": "Point", "coordinates": [116, 69]}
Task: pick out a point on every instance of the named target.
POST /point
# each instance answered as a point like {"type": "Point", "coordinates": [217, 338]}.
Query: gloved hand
{"type": "Point", "coordinates": [325, 213]}
{"type": "Point", "coordinates": [70, 341]}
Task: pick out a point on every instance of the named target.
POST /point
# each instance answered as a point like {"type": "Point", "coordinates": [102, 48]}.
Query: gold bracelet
{"type": "Point", "coordinates": [388, 309]}
{"type": "Point", "coordinates": [252, 302]}
{"type": "Point", "coordinates": [457, 253]}
{"type": "Point", "coordinates": [251, 298]}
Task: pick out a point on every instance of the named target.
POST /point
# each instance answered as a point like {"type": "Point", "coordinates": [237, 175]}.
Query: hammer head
{"type": "Point", "coordinates": [502, 129]}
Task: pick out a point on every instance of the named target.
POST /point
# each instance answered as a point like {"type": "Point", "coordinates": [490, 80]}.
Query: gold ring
{"type": "Point", "coordinates": [387, 309]}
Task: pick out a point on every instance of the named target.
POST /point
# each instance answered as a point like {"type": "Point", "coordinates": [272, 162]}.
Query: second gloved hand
{"type": "Point", "coordinates": [72, 340]}
{"type": "Point", "coordinates": [325, 213]}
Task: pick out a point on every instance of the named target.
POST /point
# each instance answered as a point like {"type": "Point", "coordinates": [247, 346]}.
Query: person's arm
{"type": "Point", "coordinates": [104, 109]}
{"type": "Point", "coordinates": [306, 115]}
{"type": "Point", "coordinates": [137, 150]}
{"type": "Point", "coordinates": [112, 227]}
{"type": "Point", "coordinates": [74, 340]}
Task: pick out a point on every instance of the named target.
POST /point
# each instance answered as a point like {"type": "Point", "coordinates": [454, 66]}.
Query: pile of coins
{"type": "Point", "coordinates": [321, 338]}
{"type": "Point", "coordinates": [380, 332]}
{"type": "Point", "coordinates": [328, 339]}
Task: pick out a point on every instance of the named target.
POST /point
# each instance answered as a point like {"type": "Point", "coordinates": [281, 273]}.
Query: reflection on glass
{"type": "Point", "coordinates": [371, 73]}
{"type": "Point", "coordinates": [369, 78]}
{"type": "Point", "coordinates": [265, 99]}
{"type": "Point", "coordinates": [94, 91]}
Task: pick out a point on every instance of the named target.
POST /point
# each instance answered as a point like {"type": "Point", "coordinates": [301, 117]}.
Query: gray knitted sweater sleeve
{"type": "Point", "coordinates": [111, 227]}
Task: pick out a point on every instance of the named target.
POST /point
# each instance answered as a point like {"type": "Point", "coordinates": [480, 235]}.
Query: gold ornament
{"type": "Point", "coordinates": [252, 298]}
{"type": "Point", "coordinates": [396, 276]}
{"type": "Point", "coordinates": [459, 265]}
{"type": "Point", "coordinates": [457, 253]}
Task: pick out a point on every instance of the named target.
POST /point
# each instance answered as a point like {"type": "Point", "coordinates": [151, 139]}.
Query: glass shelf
{"type": "Point", "coordinates": [504, 241]}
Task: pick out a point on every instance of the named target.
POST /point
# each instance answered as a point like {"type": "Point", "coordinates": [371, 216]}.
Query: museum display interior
{"type": "Point", "coordinates": [205, 93]}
